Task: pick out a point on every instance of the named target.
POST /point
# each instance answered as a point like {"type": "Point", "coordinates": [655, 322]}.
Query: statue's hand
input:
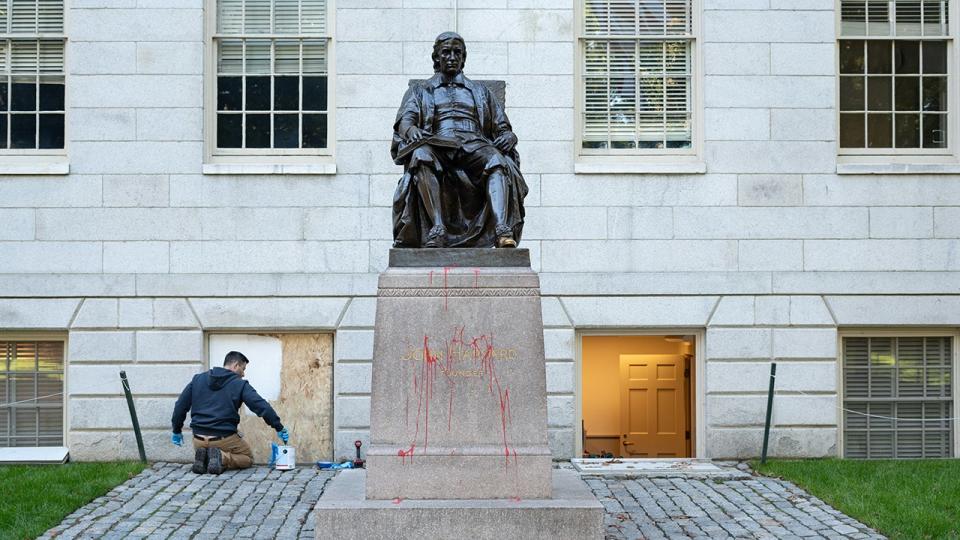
{"type": "Point", "coordinates": [506, 141]}
{"type": "Point", "coordinates": [414, 134]}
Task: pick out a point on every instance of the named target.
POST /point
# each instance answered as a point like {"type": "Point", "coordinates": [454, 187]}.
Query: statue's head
{"type": "Point", "coordinates": [449, 53]}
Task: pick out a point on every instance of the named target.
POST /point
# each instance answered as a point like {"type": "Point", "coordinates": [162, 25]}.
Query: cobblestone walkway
{"type": "Point", "coordinates": [168, 501]}
{"type": "Point", "coordinates": [704, 508]}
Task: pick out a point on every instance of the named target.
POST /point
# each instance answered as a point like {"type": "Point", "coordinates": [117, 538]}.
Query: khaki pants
{"type": "Point", "coordinates": [236, 452]}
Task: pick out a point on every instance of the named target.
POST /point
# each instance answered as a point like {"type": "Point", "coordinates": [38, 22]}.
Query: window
{"type": "Point", "coordinates": [898, 397]}
{"type": "Point", "coordinates": [32, 76]}
{"type": "Point", "coordinates": [894, 76]}
{"type": "Point", "coordinates": [271, 82]}
{"type": "Point", "coordinates": [31, 393]}
{"type": "Point", "coordinates": [636, 76]}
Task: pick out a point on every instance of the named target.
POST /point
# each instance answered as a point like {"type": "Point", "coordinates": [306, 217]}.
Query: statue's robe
{"type": "Point", "coordinates": [464, 200]}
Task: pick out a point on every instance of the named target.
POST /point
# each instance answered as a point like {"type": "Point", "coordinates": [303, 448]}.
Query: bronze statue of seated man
{"type": "Point", "coordinates": [462, 185]}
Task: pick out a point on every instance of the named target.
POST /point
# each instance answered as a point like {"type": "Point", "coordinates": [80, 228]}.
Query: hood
{"type": "Point", "coordinates": [218, 377]}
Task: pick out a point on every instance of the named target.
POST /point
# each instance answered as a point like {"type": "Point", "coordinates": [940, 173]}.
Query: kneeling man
{"type": "Point", "coordinates": [213, 399]}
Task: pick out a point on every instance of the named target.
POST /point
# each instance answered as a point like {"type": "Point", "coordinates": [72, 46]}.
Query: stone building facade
{"type": "Point", "coordinates": [764, 239]}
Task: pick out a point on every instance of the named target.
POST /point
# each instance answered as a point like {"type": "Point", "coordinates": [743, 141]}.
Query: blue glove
{"type": "Point", "coordinates": [177, 439]}
{"type": "Point", "coordinates": [284, 435]}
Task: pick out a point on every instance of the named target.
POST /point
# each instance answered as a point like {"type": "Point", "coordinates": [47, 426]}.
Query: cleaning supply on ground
{"type": "Point", "coordinates": [332, 466]}
{"type": "Point", "coordinates": [282, 457]}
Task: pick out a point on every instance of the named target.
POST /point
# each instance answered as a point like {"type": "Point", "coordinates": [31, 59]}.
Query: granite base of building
{"type": "Point", "coordinates": [573, 513]}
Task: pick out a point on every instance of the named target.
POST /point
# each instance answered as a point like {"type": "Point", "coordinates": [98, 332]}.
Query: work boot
{"type": "Point", "coordinates": [214, 461]}
{"type": "Point", "coordinates": [200, 461]}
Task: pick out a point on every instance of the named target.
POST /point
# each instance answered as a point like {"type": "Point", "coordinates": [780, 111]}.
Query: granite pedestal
{"type": "Point", "coordinates": [458, 437]}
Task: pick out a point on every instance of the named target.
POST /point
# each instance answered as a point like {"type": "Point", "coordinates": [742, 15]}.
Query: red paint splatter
{"type": "Point", "coordinates": [397, 500]}
{"type": "Point", "coordinates": [477, 350]}
{"type": "Point", "coordinates": [476, 278]}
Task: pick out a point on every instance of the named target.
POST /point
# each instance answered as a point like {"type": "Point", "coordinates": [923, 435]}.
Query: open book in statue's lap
{"type": "Point", "coordinates": [462, 185]}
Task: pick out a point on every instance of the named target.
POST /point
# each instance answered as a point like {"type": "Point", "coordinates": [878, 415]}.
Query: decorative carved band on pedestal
{"type": "Point", "coordinates": [458, 291]}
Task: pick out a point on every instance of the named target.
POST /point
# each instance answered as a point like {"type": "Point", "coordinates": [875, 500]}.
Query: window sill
{"type": "Point", "coordinates": [34, 169]}
{"type": "Point", "coordinates": [612, 167]}
{"type": "Point", "coordinates": [270, 168]}
{"type": "Point", "coordinates": [898, 168]}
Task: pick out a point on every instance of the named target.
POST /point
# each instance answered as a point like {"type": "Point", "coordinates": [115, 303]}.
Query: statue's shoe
{"type": "Point", "coordinates": [506, 242]}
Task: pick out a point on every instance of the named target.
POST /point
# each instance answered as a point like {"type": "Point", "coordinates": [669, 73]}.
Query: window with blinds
{"type": "Point", "coordinates": [637, 76]}
{"type": "Point", "coordinates": [898, 397]}
{"type": "Point", "coordinates": [31, 75]}
{"type": "Point", "coordinates": [271, 80]}
{"type": "Point", "coordinates": [894, 75]}
{"type": "Point", "coordinates": [31, 393]}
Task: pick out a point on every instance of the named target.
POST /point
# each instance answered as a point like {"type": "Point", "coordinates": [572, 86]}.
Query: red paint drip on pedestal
{"type": "Point", "coordinates": [481, 350]}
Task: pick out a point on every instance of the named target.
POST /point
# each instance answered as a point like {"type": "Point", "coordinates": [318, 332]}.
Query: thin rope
{"type": "Point", "coordinates": [5, 405]}
{"type": "Point", "coordinates": [840, 407]}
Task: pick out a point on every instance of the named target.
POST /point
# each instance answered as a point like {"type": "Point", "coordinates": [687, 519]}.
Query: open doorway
{"type": "Point", "coordinates": [638, 395]}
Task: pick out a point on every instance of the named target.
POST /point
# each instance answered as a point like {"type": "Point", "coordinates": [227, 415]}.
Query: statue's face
{"type": "Point", "coordinates": [451, 54]}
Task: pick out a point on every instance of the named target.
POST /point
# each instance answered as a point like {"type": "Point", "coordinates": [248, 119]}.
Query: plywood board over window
{"type": "Point", "coordinates": [294, 372]}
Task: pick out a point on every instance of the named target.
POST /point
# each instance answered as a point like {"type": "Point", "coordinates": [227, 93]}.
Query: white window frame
{"type": "Point", "coordinates": [641, 161]}
{"type": "Point", "coordinates": [905, 332]}
{"type": "Point", "coordinates": [52, 161]}
{"type": "Point", "coordinates": [902, 160]}
{"type": "Point", "coordinates": [264, 160]}
{"type": "Point", "coordinates": [65, 403]}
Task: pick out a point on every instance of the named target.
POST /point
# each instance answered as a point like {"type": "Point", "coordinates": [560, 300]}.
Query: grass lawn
{"type": "Point", "coordinates": [901, 499]}
{"type": "Point", "coordinates": [37, 497]}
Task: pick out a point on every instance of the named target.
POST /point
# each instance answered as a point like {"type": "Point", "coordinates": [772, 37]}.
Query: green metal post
{"type": "Point", "coordinates": [133, 415]}
{"type": "Point", "coordinates": [766, 427]}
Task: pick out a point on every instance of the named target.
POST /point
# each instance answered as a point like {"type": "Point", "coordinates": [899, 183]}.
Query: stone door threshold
{"type": "Point", "coordinates": [34, 455]}
{"type": "Point", "coordinates": [660, 467]}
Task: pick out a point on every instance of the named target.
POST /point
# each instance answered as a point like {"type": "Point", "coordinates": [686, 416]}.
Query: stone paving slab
{"type": "Point", "coordinates": [168, 501]}
{"type": "Point", "coordinates": [691, 507]}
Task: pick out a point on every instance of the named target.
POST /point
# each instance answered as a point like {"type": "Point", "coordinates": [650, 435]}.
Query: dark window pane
{"type": "Point", "coordinates": [851, 93]}
{"type": "Point", "coordinates": [906, 130]}
{"type": "Point", "coordinates": [51, 97]}
{"type": "Point", "coordinates": [934, 57]}
{"type": "Point", "coordinates": [314, 93]}
{"type": "Point", "coordinates": [285, 131]}
{"type": "Point", "coordinates": [314, 131]}
{"type": "Point", "coordinates": [907, 93]}
{"type": "Point", "coordinates": [907, 56]}
{"type": "Point", "coordinates": [851, 56]}
{"type": "Point", "coordinates": [594, 144]}
{"type": "Point", "coordinates": [3, 144]}
{"type": "Point", "coordinates": [258, 130]}
{"type": "Point", "coordinates": [51, 131]}
{"type": "Point", "coordinates": [934, 131]}
{"type": "Point", "coordinates": [879, 131]}
{"type": "Point", "coordinates": [24, 97]}
{"type": "Point", "coordinates": [229, 93]}
{"type": "Point", "coordinates": [258, 93]}
{"type": "Point", "coordinates": [934, 93]}
{"type": "Point", "coordinates": [229, 131]}
{"type": "Point", "coordinates": [3, 97]}
{"type": "Point", "coordinates": [286, 94]}
{"type": "Point", "coordinates": [23, 131]}
{"type": "Point", "coordinates": [851, 131]}
{"type": "Point", "coordinates": [878, 57]}
{"type": "Point", "coordinates": [879, 93]}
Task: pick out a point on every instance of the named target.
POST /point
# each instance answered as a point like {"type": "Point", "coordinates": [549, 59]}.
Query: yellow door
{"type": "Point", "coordinates": [653, 405]}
